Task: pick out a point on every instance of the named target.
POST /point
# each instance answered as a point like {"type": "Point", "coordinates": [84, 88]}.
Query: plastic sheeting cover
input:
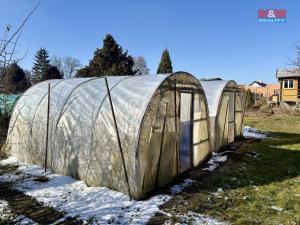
{"type": "Point", "coordinates": [213, 91]}
{"type": "Point", "coordinates": [82, 138]}
{"type": "Point", "coordinates": [224, 103]}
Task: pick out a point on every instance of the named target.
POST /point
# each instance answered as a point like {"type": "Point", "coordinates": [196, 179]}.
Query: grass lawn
{"type": "Point", "coordinates": [252, 190]}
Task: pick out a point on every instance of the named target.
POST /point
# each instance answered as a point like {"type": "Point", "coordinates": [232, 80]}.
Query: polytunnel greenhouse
{"type": "Point", "coordinates": [161, 122]}
{"type": "Point", "coordinates": [225, 111]}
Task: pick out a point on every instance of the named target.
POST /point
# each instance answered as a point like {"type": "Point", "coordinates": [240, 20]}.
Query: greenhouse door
{"type": "Point", "coordinates": [231, 117]}
{"type": "Point", "coordinates": [185, 152]}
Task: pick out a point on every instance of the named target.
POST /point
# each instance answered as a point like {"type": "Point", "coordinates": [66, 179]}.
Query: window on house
{"type": "Point", "coordinates": [288, 84]}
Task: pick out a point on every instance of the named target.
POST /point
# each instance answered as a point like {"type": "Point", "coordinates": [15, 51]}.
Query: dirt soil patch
{"type": "Point", "coordinates": [21, 204]}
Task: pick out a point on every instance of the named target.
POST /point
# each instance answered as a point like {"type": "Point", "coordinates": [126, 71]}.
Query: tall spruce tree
{"type": "Point", "coordinates": [41, 65]}
{"type": "Point", "coordinates": [111, 59]}
{"type": "Point", "coordinates": [165, 65]}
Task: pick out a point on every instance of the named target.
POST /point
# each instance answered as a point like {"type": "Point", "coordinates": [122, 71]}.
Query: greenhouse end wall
{"type": "Point", "coordinates": [225, 111]}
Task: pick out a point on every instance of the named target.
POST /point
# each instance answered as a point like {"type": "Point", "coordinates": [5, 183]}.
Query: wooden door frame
{"type": "Point", "coordinates": [191, 150]}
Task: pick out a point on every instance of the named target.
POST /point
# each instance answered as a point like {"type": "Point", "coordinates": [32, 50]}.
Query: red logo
{"type": "Point", "coordinates": [272, 13]}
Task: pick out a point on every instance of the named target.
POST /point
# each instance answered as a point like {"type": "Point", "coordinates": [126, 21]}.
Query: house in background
{"type": "Point", "coordinates": [262, 90]}
{"type": "Point", "coordinates": [257, 84]}
{"type": "Point", "coordinates": [289, 85]}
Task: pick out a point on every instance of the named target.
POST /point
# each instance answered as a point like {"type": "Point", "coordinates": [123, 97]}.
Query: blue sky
{"type": "Point", "coordinates": [206, 38]}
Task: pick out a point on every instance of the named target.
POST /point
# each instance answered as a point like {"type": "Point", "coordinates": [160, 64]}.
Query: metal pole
{"type": "Point", "coordinates": [118, 137]}
{"type": "Point", "coordinates": [161, 146]}
{"type": "Point", "coordinates": [47, 131]}
{"type": "Point", "coordinates": [176, 142]}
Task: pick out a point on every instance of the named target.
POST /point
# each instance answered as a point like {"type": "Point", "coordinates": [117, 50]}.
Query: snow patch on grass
{"type": "Point", "coordinates": [22, 220]}
{"type": "Point", "coordinates": [4, 210]}
{"type": "Point", "coordinates": [250, 132]}
{"type": "Point", "coordinates": [215, 161]}
{"type": "Point", "coordinates": [276, 208]}
{"type": "Point", "coordinates": [175, 189]}
{"type": "Point", "coordinates": [196, 219]}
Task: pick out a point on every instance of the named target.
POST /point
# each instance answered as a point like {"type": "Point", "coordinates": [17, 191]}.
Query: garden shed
{"type": "Point", "coordinates": [161, 121]}
{"type": "Point", "coordinates": [225, 111]}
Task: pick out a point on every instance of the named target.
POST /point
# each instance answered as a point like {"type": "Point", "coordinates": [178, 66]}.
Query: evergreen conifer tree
{"type": "Point", "coordinates": [83, 72]}
{"type": "Point", "coordinates": [15, 79]}
{"type": "Point", "coordinates": [41, 65]}
{"type": "Point", "coordinates": [52, 73]}
{"type": "Point", "coordinates": [109, 60]}
{"type": "Point", "coordinates": [165, 65]}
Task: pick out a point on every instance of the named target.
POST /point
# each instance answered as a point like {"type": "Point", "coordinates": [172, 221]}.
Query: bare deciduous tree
{"type": "Point", "coordinates": [67, 65]}
{"type": "Point", "coordinates": [295, 62]}
{"type": "Point", "coordinates": [140, 65]}
{"type": "Point", "coordinates": [9, 42]}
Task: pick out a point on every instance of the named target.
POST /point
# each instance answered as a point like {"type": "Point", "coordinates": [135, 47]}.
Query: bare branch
{"type": "Point", "coordinates": [67, 65]}
{"type": "Point", "coordinates": [295, 62]}
{"type": "Point", "coordinates": [20, 27]}
{"type": "Point", "coordinates": [14, 47]}
{"type": "Point", "coordinates": [20, 59]}
{"type": "Point", "coordinates": [3, 40]}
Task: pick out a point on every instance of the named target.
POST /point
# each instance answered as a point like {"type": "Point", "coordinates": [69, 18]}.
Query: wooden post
{"type": "Point", "coordinates": [226, 121]}
{"type": "Point", "coordinates": [243, 113]}
{"type": "Point", "coordinates": [118, 137]}
{"type": "Point", "coordinates": [47, 128]}
{"type": "Point", "coordinates": [234, 99]}
{"type": "Point", "coordinates": [161, 146]}
{"type": "Point", "coordinates": [176, 133]}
